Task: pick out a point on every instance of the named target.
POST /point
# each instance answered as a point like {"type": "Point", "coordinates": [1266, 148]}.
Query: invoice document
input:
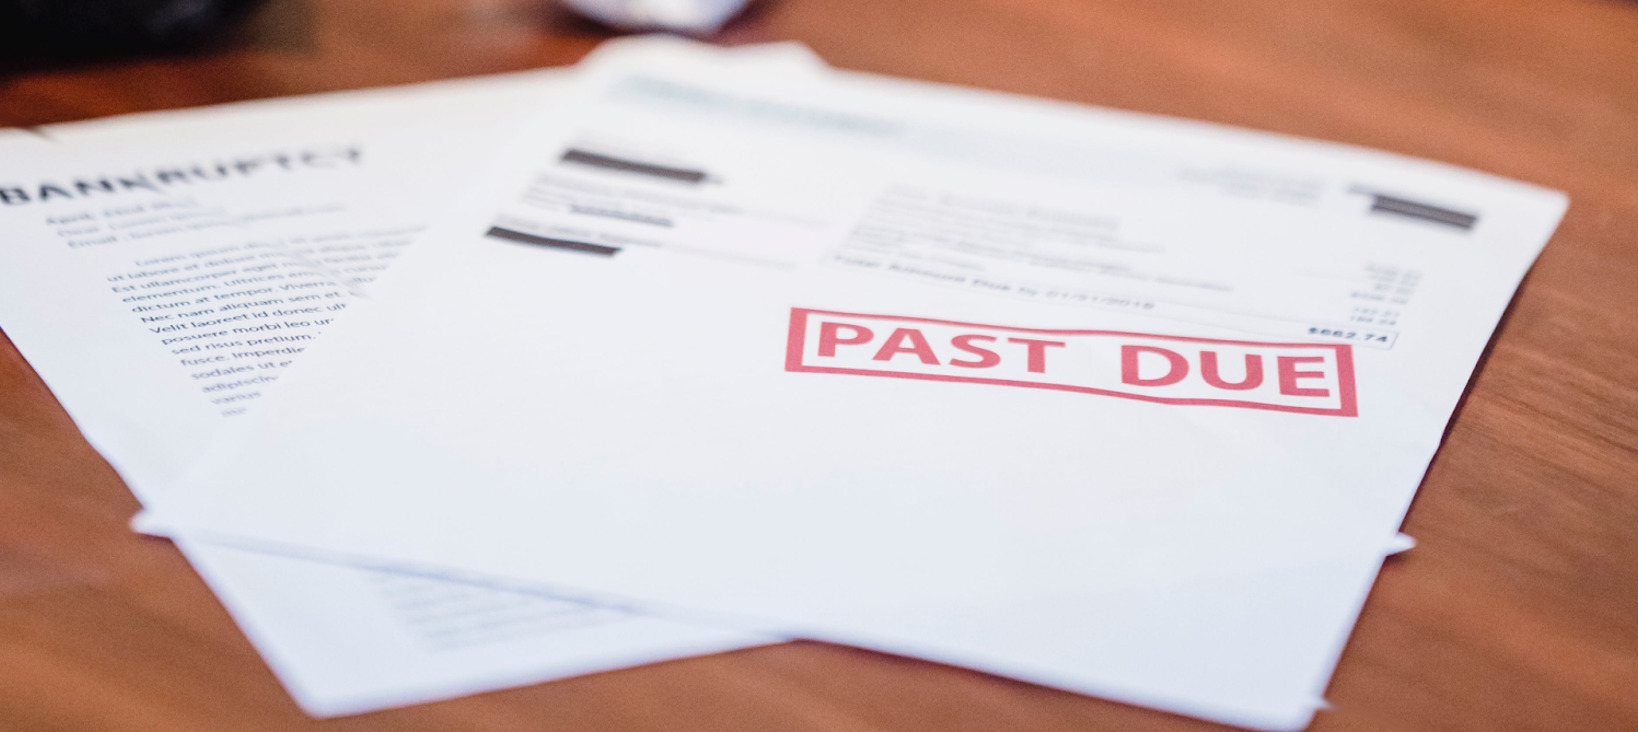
{"type": "Point", "coordinates": [1117, 404]}
{"type": "Point", "coordinates": [163, 269]}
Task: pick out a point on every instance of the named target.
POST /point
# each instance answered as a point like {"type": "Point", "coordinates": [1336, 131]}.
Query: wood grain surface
{"type": "Point", "coordinates": [1518, 609]}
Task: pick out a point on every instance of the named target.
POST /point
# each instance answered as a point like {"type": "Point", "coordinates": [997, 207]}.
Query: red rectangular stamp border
{"type": "Point", "coordinates": [797, 340]}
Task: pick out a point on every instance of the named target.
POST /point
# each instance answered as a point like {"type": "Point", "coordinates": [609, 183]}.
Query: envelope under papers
{"type": "Point", "coordinates": [1112, 403]}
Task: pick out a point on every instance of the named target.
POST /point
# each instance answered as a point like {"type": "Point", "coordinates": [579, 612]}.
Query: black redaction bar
{"type": "Point", "coordinates": [609, 162]}
{"type": "Point", "coordinates": [577, 246]}
{"type": "Point", "coordinates": [1415, 210]}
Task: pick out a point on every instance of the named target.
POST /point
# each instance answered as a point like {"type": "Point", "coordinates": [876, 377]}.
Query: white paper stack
{"type": "Point", "coordinates": [708, 348]}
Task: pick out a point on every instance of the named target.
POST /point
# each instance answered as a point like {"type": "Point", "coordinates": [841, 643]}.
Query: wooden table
{"type": "Point", "coordinates": [1517, 610]}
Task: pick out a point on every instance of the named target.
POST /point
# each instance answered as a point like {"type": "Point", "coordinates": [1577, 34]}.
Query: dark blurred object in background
{"type": "Point", "coordinates": [691, 17]}
{"type": "Point", "coordinates": [83, 28]}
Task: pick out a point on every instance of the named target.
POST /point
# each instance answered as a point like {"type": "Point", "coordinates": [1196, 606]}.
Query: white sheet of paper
{"type": "Point", "coordinates": [112, 295]}
{"type": "Point", "coordinates": [1118, 404]}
